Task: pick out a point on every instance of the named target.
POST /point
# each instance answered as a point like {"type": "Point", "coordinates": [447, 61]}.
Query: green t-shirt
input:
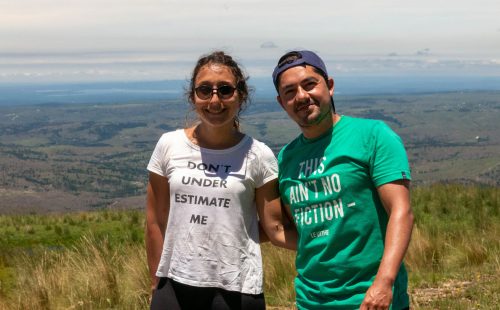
{"type": "Point", "coordinates": [330, 184]}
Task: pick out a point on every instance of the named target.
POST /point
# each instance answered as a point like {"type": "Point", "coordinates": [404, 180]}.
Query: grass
{"type": "Point", "coordinates": [454, 254]}
{"type": "Point", "coordinates": [93, 260]}
{"type": "Point", "coordinates": [91, 275]}
{"type": "Point", "coordinates": [96, 260]}
{"type": "Point", "coordinates": [26, 231]}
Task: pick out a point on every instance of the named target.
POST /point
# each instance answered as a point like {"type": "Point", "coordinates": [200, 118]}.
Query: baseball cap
{"type": "Point", "coordinates": [297, 58]}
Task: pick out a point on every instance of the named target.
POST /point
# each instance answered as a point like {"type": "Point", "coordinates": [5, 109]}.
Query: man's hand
{"type": "Point", "coordinates": [378, 296]}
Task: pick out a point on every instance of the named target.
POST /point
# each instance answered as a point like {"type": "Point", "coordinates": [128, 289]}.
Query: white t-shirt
{"type": "Point", "coordinates": [212, 237]}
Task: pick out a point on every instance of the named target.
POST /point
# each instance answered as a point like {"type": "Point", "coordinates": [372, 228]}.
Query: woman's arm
{"type": "Point", "coordinates": [157, 208]}
{"type": "Point", "coordinates": [274, 221]}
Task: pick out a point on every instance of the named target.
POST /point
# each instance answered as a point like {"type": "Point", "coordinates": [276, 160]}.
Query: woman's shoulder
{"type": "Point", "coordinates": [171, 136]}
{"type": "Point", "coordinates": [259, 146]}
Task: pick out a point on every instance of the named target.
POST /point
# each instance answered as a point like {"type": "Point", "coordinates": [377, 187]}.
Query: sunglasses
{"type": "Point", "coordinates": [206, 92]}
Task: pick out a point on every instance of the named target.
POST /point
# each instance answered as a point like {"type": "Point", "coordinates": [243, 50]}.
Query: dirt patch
{"type": "Point", "coordinates": [457, 289]}
{"type": "Point", "coordinates": [451, 288]}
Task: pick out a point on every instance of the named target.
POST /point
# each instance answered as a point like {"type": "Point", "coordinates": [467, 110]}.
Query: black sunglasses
{"type": "Point", "coordinates": [205, 92]}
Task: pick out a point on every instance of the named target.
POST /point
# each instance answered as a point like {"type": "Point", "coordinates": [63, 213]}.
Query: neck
{"type": "Point", "coordinates": [317, 130]}
{"type": "Point", "coordinates": [214, 137]}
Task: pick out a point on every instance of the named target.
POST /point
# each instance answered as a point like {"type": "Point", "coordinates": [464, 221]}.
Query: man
{"type": "Point", "coordinates": [346, 182]}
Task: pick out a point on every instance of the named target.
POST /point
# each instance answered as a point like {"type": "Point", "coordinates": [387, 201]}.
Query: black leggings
{"type": "Point", "coordinates": [173, 295]}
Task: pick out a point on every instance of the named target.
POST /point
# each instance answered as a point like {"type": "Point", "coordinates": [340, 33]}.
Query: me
{"type": "Point", "coordinates": [353, 261]}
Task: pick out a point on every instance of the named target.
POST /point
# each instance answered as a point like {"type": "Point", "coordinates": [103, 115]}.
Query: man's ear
{"type": "Point", "coordinates": [278, 98]}
{"type": "Point", "coordinates": [331, 86]}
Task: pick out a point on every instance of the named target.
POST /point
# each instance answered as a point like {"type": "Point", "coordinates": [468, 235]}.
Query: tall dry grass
{"type": "Point", "coordinates": [279, 274]}
{"type": "Point", "coordinates": [90, 275]}
{"type": "Point", "coordinates": [94, 274]}
{"type": "Point", "coordinates": [455, 227]}
{"type": "Point", "coordinates": [453, 259]}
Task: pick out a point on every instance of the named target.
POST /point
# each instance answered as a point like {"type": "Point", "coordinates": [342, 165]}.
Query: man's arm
{"type": "Point", "coordinates": [395, 197]}
{"type": "Point", "coordinates": [157, 209]}
{"type": "Point", "coordinates": [274, 222]}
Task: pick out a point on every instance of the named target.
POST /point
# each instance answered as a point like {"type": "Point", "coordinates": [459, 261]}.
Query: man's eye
{"type": "Point", "coordinates": [309, 86]}
{"type": "Point", "coordinates": [290, 92]}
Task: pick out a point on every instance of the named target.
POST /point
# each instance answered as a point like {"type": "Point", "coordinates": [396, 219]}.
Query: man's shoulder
{"type": "Point", "coordinates": [296, 142]}
{"type": "Point", "coordinates": [290, 146]}
{"type": "Point", "coordinates": [364, 122]}
{"type": "Point", "coordinates": [363, 127]}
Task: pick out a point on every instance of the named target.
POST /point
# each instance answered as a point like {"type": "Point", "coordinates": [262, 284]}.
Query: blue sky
{"type": "Point", "coordinates": [106, 40]}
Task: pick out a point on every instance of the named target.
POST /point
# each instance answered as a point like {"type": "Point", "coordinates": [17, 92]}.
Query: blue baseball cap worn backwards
{"type": "Point", "coordinates": [298, 58]}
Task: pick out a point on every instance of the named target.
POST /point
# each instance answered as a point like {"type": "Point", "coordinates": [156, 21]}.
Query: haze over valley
{"type": "Point", "coordinates": [80, 156]}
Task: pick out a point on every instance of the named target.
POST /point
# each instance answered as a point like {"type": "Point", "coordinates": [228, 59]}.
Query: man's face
{"type": "Point", "coordinates": [305, 95]}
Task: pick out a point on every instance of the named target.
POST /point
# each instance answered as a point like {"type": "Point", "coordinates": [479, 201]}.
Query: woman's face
{"type": "Point", "coordinates": [221, 105]}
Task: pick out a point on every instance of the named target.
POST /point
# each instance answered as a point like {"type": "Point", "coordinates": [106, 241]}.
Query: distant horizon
{"type": "Point", "coordinates": [126, 91]}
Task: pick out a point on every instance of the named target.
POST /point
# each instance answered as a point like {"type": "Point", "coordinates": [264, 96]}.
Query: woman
{"type": "Point", "coordinates": [208, 186]}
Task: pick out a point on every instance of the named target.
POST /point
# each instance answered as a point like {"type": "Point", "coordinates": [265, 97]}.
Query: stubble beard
{"type": "Point", "coordinates": [317, 120]}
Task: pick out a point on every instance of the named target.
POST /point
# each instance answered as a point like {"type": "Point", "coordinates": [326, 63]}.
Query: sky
{"type": "Point", "coordinates": [141, 40]}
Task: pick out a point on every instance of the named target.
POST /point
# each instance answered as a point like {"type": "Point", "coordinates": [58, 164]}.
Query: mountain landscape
{"type": "Point", "coordinates": [73, 178]}
{"type": "Point", "coordinates": [82, 156]}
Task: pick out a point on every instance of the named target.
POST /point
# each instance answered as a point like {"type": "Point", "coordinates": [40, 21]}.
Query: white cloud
{"type": "Point", "coordinates": [268, 44]}
{"type": "Point", "coordinates": [423, 52]}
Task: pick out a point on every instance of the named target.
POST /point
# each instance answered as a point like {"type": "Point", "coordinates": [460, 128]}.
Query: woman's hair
{"type": "Point", "coordinates": [221, 58]}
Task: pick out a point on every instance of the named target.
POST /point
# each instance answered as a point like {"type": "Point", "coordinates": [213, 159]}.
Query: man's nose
{"type": "Point", "coordinates": [301, 94]}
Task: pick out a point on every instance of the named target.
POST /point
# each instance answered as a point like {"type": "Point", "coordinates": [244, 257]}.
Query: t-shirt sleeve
{"type": "Point", "coordinates": [389, 161]}
{"type": "Point", "coordinates": [268, 166]}
{"type": "Point", "coordinates": [159, 160]}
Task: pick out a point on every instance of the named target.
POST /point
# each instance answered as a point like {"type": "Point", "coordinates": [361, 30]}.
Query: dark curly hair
{"type": "Point", "coordinates": [221, 58]}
